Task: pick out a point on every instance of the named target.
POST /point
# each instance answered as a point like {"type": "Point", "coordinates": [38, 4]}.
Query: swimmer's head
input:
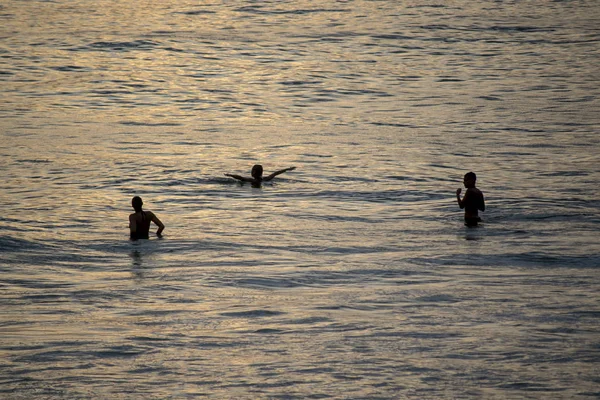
{"type": "Point", "coordinates": [257, 171]}
{"type": "Point", "coordinates": [470, 179]}
{"type": "Point", "coordinates": [136, 203]}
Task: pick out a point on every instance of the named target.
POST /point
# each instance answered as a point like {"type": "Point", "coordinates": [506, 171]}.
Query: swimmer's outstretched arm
{"type": "Point", "coordinates": [281, 171]}
{"type": "Point", "coordinates": [240, 178]}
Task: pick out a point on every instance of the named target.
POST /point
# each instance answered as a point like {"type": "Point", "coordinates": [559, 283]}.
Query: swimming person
{"type": "Point", "coordinates": [139, 221]}
{"type": "Point", "coordinates": [257, 178]}
{"type": "Point", "coordinates": [472, 201]}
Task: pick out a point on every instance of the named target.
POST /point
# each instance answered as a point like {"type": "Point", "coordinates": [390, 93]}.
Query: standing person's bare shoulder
{"type": "Point", "coordinates": [149, 214]}
{"type": "Point", "coordinates": [474, 191]}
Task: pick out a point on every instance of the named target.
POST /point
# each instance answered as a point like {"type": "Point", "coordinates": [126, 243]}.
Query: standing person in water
{"type": "Point", "coordinates": [139, 221]}
{"type": "Point", "coordinates": [472, 201]}
{"type": "Point", "coordinates": [257, 175]}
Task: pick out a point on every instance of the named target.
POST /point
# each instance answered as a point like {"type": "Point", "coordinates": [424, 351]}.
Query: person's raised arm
{"type": "Point", "coordinates": [461, 203]}
{"type": "Point", "coordinates": [240, 178]}
{"type": "Point", "coordinates": [281, 171]}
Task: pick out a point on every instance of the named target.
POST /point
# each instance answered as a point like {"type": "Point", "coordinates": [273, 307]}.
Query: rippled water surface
{"type": "Point", "coordinates": [349, 277]}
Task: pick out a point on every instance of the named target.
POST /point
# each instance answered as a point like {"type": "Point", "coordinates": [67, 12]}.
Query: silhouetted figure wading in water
{"type": "Point", "coordinates": [257, 178]}
{"type": "Point", "coordinates": [472, 201]}
{"type": "Point", "coordinates": [139, 221]}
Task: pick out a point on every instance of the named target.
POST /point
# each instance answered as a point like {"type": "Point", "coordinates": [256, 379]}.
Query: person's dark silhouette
{"type": "Point", "coordinates": [139, 221]}
{"type": "Point", "coordinates": [473, 200]}
{"type": "Point", "coordinates": [257, 175]}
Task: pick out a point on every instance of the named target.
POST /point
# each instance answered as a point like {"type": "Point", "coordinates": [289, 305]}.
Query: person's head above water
{"type": "Point", "coordinates": [137, 203]}
{"type": "Point", "coordinates": [257, 171]}
{"type": "Point", "coordinates": [470, 179]}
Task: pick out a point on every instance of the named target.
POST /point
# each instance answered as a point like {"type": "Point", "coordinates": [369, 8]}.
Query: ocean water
{"type": "Point", "coordinates": [351, 276]}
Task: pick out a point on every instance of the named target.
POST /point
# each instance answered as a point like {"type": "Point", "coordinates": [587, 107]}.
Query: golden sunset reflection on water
{"type": "Point", "coordinates": [351, 276]}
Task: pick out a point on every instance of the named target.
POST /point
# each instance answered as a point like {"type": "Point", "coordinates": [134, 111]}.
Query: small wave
{"type": "Point", "coordinates": [438, 298]}
{"type": "Point", "coordinates": [383, 196]}
{"type": "Point", "coordinates": [428, 6]}
{"type": "Point", "coordinates": [120, 46]}
{"type": "Point", "coordinates": [397, 125]}
{"type": "Point", "coordinates": [8, 243]}
{"type": "Point", "coordinates": [392, 37]}
{"type": "Point", "coordinates": [34, 161]}
{"type": "Point", "coordinates": [266, 283]}
{"type": "Point", "coordinates": [252, 314]}
{"type": "Point", "coordinates": [268, 331]}
{"type": "Point", "coordinates": [450, 80]}
{"type": "Point", "coordinates": [564, 173]}
{"type": "Point", "coordinates": [259, 10]}
{"type": "Point", "coordinates": [499, 28]}
{"type": "Point", "coordinates": [299, 83]}
{"type": "Point", "coordinates": [490, 98]}
{"type": "Point", "coordinates": [70, 68]}
{"type": "Point", "coordinates": [137, 123]}
{"type": "Point", "coordinates": [493, 28]}
{"type": "Point", "coordinates": [195, 12]}
{"type": "Point", "coordinates": [309, 321]}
